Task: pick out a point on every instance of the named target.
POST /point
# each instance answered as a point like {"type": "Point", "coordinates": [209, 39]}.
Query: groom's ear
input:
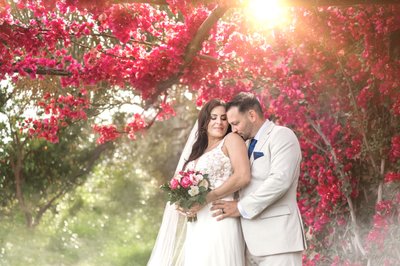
{"type": "Point", "coordinates": [252, 114]}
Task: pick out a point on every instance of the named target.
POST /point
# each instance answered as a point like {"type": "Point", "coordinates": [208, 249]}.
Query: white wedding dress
{"type": "Point", "coordinates": [210, 242]}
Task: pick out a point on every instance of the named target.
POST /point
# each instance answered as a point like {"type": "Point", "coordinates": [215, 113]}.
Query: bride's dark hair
{"type": "Point", "coordinates": [201, 143]}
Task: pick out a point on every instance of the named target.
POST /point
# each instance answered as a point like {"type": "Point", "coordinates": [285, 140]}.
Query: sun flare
{"type": "Point", "coordinates": [267, 13]}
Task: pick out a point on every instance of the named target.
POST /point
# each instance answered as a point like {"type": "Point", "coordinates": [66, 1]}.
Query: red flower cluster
{"type": "Point", "coordinates": [392, 177]}
{"type": "Point", "coordinates": [167, 112]}
{"type": "Point", "coordinates": [46, 128]}
{"type": "Point", "coordinates": [136, 125]}
{"type": "Point", "coordinates": [107, 133]}
{"type": "Point", "coordinates": [385, 220]}
{"type": "Point", "coordinates": [61, 111]}
{"type": "Point", "coordinates": [395, 150]}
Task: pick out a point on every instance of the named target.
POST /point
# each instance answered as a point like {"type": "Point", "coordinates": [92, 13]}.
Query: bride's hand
{"type": "Point", "coordinates": [189, 212]}
{"type": "Point", "coordinates": [196, 208]}
{"type": "Point", "coordinates": [180, 209]}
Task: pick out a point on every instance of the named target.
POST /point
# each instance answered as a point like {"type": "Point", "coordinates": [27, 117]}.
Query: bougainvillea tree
{"type": "Point", "coordinates": [332, 73]}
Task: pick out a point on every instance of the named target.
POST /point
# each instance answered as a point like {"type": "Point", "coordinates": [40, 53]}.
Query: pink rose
{"type": "Point", "coordinates": [192, 177]}
{"type": "Point", "coordinates": [186, 182]}
{"type": "Point", "coordinates": [174, 184]}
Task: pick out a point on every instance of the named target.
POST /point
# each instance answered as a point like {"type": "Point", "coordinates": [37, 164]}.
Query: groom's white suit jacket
{"type": "Point", "coordinates": [275, 224]}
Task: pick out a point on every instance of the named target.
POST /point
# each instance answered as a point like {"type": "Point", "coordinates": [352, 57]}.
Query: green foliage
{"type": "Point", "coordinates": [42, 171]}
{"type": "Point", "coordinates": [113, 216]}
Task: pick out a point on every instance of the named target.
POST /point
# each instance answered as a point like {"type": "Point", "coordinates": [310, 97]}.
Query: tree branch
{"type": "Point", "coordinates": [380, 186]}
{"type": "Point", "coordinates": [44, 208]}
{"type": "Point", "coordinates": [202, 33]}
{"type": "Point", "coordinates": [93, 157]}
{"type": "Point", "coordinates": [210, 58]}
{"type": "Point", "coordinates": [357, 112]}
{"type": "Point", "coordinates": [193, 47]}
{"type": "Point", "coordinates": [339, 168]}
{"type": "Point", "coordinates": [48, 71]}
{"type": "Point", "coordinates": [16, 167]}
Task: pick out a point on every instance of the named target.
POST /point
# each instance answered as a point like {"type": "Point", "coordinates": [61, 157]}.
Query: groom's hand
{"type": "Point", "coordinates": [224, 209]}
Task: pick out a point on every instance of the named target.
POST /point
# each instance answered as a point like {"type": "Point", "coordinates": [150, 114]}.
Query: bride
{"type": "Point", "coordinates": [211, 150]}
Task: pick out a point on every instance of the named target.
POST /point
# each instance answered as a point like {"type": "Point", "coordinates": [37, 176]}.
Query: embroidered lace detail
{"type": "Point", "coordinates": [214, 163]}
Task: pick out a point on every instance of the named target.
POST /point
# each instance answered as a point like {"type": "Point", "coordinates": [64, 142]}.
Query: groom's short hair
{"type": "Point", "coordinates": [245, 101]}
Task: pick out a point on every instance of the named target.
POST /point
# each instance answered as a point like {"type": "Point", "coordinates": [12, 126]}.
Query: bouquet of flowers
{"type": "Point", "coordinates": [187, 188]}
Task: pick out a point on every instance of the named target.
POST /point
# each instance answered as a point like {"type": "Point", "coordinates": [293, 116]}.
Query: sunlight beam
{"type": "Point", "coordinates": [267, 13]}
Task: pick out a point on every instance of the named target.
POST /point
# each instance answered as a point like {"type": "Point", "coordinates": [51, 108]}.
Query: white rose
{"type": "Point", "coordinates": [199, 177]}
{"type": "Point", "coordinates": [193, 191]}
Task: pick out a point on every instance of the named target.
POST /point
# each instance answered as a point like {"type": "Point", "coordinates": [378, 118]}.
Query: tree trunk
{"type": "Point", "coordinates": [17, 170]}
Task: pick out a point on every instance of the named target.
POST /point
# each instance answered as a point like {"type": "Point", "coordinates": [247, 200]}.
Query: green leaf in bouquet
{"type": "Point", "coordinates": [202, 189]}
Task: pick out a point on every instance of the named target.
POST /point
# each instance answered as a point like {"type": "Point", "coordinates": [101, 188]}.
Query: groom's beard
{"type": "Point", "coordinates": [241, 136]}
{"type": "Point", "coordinates": [245, 138]}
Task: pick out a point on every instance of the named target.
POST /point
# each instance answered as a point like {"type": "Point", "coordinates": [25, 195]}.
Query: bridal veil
{"type": "Point", "coordinates": [169, 246]}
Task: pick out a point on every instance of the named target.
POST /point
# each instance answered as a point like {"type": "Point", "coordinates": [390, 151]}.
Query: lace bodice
{"type": "Point", "coordinates": [214, 163]}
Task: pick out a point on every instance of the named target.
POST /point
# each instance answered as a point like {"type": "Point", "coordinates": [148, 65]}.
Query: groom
{"type": "Point", "coordinates": [271, 222]}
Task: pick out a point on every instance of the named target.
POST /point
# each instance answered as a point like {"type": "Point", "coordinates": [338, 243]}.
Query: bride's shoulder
{"type": "Point", "coordinates": [233, 139]}
{"type": "Point", "coordinates": [233, 144]}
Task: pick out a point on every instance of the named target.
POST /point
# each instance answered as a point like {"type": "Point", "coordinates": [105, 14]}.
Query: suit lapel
{"type": "Point", "coordinates": [263, 139]}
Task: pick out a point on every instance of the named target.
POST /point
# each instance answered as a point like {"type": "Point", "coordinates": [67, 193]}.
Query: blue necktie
{"type": "Point", "coordinates": [251, 147]}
